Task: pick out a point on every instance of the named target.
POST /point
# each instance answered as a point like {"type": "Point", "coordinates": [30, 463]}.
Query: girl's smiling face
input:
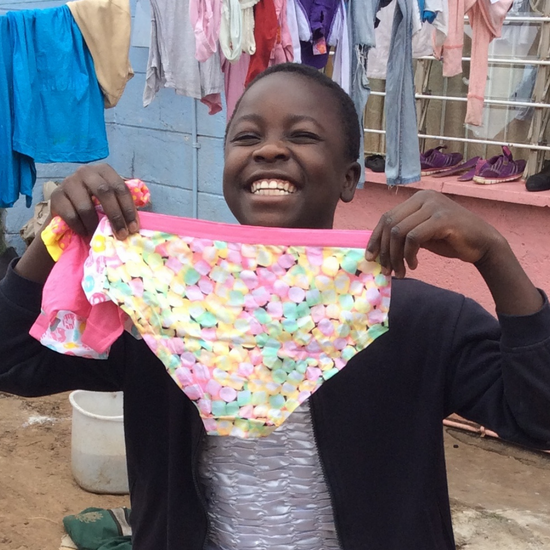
{"type": "Point", "coordinates": [285, 159]}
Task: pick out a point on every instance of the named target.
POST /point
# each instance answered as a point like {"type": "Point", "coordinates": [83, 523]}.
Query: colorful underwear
{"type": "Point", "coordinates": [67, 317]}
{"type": "Point", "coordinates": [248, 331]}
{"type": "Point", "coordinates": [57, 236]}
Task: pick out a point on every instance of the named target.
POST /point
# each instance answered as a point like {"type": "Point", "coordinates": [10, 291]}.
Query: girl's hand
{"type": "Point", "coordinates": [432, 221]}
{"type": "Point", "coordinates": [72, 201]}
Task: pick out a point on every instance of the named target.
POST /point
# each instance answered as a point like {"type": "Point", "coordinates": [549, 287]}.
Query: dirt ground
{"type": "Point", "coordinates": [500, 494]}
{"type": "Point", "coordinates": [36, 485]}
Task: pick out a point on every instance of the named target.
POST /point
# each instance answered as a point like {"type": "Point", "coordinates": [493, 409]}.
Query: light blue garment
{"type": "Point", "coordinates": [362, 14]}
{"type": "Point", "coordinates": [17, 172]}
{"type": "Point", "coordinates": [58, 105]}
{"type": "Point", "coordinates": [402, 148]}
{"type": "Point", "coordinates": [524, 92]}
{"type": "Point", "coordinates": [403, 151]}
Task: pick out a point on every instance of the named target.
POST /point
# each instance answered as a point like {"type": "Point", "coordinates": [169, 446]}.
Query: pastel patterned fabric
{"type": "Point", "coordinates": [57, 235]}
{"type": "Point", "coordinates": [68, 322]}
{"type": "Point", "coordinates": [248, 331]}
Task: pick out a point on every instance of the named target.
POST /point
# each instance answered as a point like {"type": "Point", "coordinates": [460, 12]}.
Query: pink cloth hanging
{"type": "Point", "coordinates": [234, 79]}
{"type": "Point", "coordinates": [486, 19]}
{"type": "Point", "coordinates": [205, 16]}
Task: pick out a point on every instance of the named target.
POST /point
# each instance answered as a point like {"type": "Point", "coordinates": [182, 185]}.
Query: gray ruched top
{"type": "Point", "coordinates": [268, 493]}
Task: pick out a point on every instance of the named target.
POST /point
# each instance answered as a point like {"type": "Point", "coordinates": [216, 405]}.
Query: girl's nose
{"type": "Point", "coordinates": [271, 151]}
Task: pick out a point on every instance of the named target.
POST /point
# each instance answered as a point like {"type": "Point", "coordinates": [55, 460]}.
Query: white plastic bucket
{"type": "Point", "coordinates": [98, 452]}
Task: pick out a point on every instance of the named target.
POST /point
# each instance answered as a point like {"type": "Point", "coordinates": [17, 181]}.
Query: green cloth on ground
{"type": "Point", "coordinates": [100, 529]}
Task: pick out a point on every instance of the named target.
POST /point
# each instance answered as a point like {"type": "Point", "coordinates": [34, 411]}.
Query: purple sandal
{"type": "Point", "coordinates": [469, 166]}
{"type": "Point", "coordinates": [500, 168]}
{"type": "Point", "coordinates": [434, 161]}
{"type": "Point", "coordinates": [469, 176]}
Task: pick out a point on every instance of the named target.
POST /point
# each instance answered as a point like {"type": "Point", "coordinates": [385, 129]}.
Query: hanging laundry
{"type": "Point", "coordinates": [231, 30]}
{"type": "Point", "coordinates": [486, 19]}
{"type": "Point", "coordinates": [320, 16]}
{"type": "Point", "coordinates": [265, 33]}
{"type": "Point", "coordinates": [426, 14]}
{"type": "Point", "coordinates": [292, 21]}
{"type": "Point", "coordinates": [273, 40]}
{"type": "Point", "coordinates": [422, 42]}
{"type": "Point", "coordinates": [249, 41]}
{"type": "Point", "coordinates": [170, 63]}
{"type": "Point", "coordinates": [205, 18]}
{"type": "Point", "coordinates": [362, 19]}
{"type": "Point", "coordinates": [234, 79]}
{"type": "Point", "coordinates": [52, 108]}
{"type": "Point", "coordinates": [105, 25]}
{"type": "Point", "coordinates": [237, 29]}
{"type": "Point", "coordinates": [271, 43]}
{"type": "Point", "coordinates": [17, 171]}
{"type": "Point", "coordinates": [283, 51]}
{"type": "Point", "coordinates": [340, 35]}
{"type": "Point", "coordinates": [441, 22]}
{"type": "Point", "coordinates": [402, 161]}
{"type": "Point", "coordinates": [58, 105]}
{"type": "Point", "coordinates": [417, 7]}
{"type": "Point", "coordinates": [304, 28]}
{"type": "Point", "coordinates": [339, 26]}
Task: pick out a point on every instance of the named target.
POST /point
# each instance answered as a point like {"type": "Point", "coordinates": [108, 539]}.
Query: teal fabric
{"type": "Point", "coordinates": [118, 543]}
{"type": "Point", "coordinates": [57, 101]}
{"type": "Point", "coordinates": [17, 171]}
{"type": "Point", "coordinates": [96, 529]}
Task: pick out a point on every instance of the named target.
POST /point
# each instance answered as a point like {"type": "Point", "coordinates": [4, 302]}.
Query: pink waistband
{"type": "Point", "coordinates": [254, 234]}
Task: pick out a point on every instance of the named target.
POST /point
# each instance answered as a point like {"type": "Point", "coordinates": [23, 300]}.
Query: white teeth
{"type": "Point", "coordinates": [272, 187]}
{"type": "Point", "coordinates": [271, 192]}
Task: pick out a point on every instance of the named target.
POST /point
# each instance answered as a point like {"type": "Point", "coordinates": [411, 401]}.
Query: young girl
{"type": "Point", "coordinates": [360, 464]}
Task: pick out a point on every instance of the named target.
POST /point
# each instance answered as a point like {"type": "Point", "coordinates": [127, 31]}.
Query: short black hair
{"type": "Point", "coordinates": [344, 103]}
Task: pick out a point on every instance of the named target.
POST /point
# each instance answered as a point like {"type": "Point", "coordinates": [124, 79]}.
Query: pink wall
{"type": "Point", "coordinates": [526, 227]}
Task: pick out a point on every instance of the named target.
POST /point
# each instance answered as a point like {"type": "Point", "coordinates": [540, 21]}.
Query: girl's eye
{"type": "Point", "coordinates": [245, 138]}
{"type": "Point", "coordinates": [305, 137]}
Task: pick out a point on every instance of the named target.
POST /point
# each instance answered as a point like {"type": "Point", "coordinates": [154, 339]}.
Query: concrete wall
{"type": "Point", "coordinates": [154, 144]}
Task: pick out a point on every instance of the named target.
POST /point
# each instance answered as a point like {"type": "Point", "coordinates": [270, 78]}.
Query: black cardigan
{"type": "Point", "coordinates": [378, 423]}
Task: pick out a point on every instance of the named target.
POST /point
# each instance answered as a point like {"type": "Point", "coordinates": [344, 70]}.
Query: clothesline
{"type": "Point", "coordinates": [526, 19]}
{"type": "Point", "coordinates": [500, 60]}
{"type": "Point", "coordinates": [472, 140]}
{"type": "Point", "coordinates": [465, 99]}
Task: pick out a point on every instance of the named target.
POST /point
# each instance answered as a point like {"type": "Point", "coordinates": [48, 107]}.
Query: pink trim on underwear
{"type": "Point", "coordinates": [248, 234]}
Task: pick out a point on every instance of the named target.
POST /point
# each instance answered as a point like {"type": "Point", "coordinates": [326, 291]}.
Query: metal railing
{"type": "Point", "coordinates": [534, 143]}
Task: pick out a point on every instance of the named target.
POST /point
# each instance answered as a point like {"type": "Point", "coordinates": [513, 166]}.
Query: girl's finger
{"type": "Point", "coordinates": [373, 246]}
{"type": "Point", "coordinates": [405, 243]}
{"type": "Point", "coordinates": [108, 194]}
{"type": "Point", "coordinates": [126, 204]}
{"type": "Point", "coordinates": [76, 209]}
{"type": "Point", "coordinates": [387, 242]}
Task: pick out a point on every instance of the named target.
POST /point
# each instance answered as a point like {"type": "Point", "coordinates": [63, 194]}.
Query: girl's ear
{"type": "Point", "coordinates": [350, 182]}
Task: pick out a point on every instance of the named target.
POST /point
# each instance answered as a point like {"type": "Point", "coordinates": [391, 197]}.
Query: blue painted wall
{"type": "Point", "coordinates": [154, 144]}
